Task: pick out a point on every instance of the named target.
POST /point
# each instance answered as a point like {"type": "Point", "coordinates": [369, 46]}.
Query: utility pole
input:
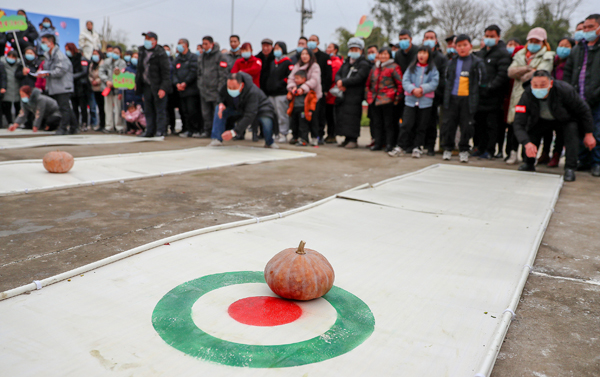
{"type": "Point", "coordinates": [305, 15]}
{"type": "Point", "coordinates": [232, 6]}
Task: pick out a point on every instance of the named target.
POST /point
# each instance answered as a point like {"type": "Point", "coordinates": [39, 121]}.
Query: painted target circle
{"type": "Point", "coordinates": [172, 320]}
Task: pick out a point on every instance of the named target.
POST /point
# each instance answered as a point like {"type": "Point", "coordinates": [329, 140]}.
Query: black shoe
{"type": "Point", "coordinates": [430, 152]}
{"type": "Point", "coordinates": [526, 167]}
{"type": "Point", "coordinates": [596, 170]}
{"type": "Point", "coordinates": [104, 130]}
{"type": "Point", "coordinates": [389, 148]}
{"type": "Point", "coordinates": [254, 136]}
{"type": "Point", "coordinates": [145, 135]}
{"type": "Point", "coordinates": [293, 141]}
{"type": "Point", "coordinates": [238, 137]}
{"type": "Point", "coordinates": [204, 135]}
{"type": "Point", "coordinates": [476, 152]}
{"type": "Point", "coordinates": [60, 132]}
{"type": "Point", "coordinates": [569, 175]}
{"type": "Point", "coordinates": [583, 167]}
{"type": "Point", "coordinates": [159, 134]}
{"type": "Point", "coordinates": [376, 148]}
{"type": "Point", "coordinates": [485, 156]}
{"type": "Point", "coordinates": [499, 156]}
{"type": "Point", "coordinates": [344, 143]}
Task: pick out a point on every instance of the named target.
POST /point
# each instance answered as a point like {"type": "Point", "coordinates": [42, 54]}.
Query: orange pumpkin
{"type": "Point", "coordinates": [58, 161]}
{"type": "Point", "coordinates": [299, 274]}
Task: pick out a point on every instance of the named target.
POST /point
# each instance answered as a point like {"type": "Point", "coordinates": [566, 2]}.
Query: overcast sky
{"type": "Point", "coordinates": [192, 19]}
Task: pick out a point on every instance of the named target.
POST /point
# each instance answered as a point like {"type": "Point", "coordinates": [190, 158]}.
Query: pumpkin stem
{"type": "Point", "coordinates": [301, 248]}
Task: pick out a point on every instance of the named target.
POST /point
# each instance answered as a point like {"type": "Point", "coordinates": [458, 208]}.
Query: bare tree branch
{"type": "Point", "coordinates": [463, 17]}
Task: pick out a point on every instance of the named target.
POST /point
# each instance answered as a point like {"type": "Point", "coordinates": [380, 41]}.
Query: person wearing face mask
{"type": "Point", "coordinates": [113, 65]}
{"type": "Point", "coordinates": [404, 57]}
{"type": "Point", "coordinates": [59, 82]}
{"type": "Point", "coordinates": [89, 40]}
{"type": "Point", "coordinates": [578, 36]}
{"type": "Point", "coordinates": [127, 57]}
{"type": "Point", "coordinates": [512, 46]}
{"type": "Point", "coordinates": [46, 28]}
{"type": "Point", "coordinates": [372, 58]}
{"type": "Point", "coordinates": [42, 109]}
{"type": "Point", "coordinates": [30, 65]}
{"type": "Point", "coordinates": [450, 48]}
{"type": "Point", "coordinates": [351, 80]}
{"type": "Point", "coordinates": [184, 79]}
{"type": "Point", "coordinates": [173, 100]}
{"type": "Point", "coordinates": [336, 63]}
{"type": "Point", "coordinates": [248, 63]}
{"type": "Point", "coordinates": [213, 69]}
{"type": "Point", "coordinates": [276, 89]}
{"type": "Point", "coordinates": [239, 97]}
{"type": "Point", "coordinates": [488, 119]}
{"type": "Point", "coordinates": [235, 50]}
{"type": "Point", "coordinates": [325, 63]}
{"type": "Point", "coordinates": [548, 104]}
{"type": "Point", "coordinates": [266, 57]}
{"type": "Point", "coordinates": [153, 83]}
{"type": "Point", "coordinates": [80, 97]}
{"type": "Point", "coordinates": [302, 44]}
{"type": "Point", "coordinates": [582, 72]}
{"type": "Point", "coordinates": [97, 87]}
{"type": "Point", "coordinates": [11, 97]}
{"type": "Point", "coordinates": [25, 37]}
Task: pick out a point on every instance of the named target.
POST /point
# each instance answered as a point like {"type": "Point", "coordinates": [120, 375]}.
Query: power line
{"type": "Point", "coordinates": [258, 14]}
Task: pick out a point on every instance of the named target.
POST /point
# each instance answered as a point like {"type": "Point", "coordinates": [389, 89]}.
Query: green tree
{"type": "Point", "coordinates": [376, 38]}
{"type": "Point", "coordinates": [556, 26]}
{"type": "Point", "coordinates": [395, 15]}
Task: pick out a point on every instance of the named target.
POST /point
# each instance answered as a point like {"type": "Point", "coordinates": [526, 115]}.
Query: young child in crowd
{"type": "Point", "coordinates": [134, 116]}
{"type": "Point", "coordinates": [302, 106]}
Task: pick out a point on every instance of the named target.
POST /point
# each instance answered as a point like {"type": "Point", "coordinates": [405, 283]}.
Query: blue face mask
{"type": "Point", "coordinates": [197, 52]}
{"type": "Point", "coordinates": [95, 58]}
{"type": "Point", "coordinates": [235, 49]}
{"type": "Point", "coordinates": [127, 58]}
{"type": "Point", "coordinates": [168, 52]}
{"type": "Point", "coordinates": [489, 42]}
{"type": "Point", "coordinates": [354, 55]}
{"type": "Point", "coordinates": [393, 54]}
{"type": "Point", "coordinates": [233, 93]}
{"type": "Point", "coordinates": [45, 47]}
{"type": "Point", "coordinates": [69, 53]}
{"type": "Point", "coordinates": [207, 51]}
{"type": "Point", "coordinates": [510, 50]}
{"type": "Point", "coordinates": [429, 43]}
{"type": "Point", "coordinates": [563, 52]}
{"type": "Point", "coordinates": [404, 44]}
{"type": "Point", "coordinates": [25, 99]}
{"type": "Point", "coordinates": [277, 53]}
{"type": "Point", "coordinates": [578, 35]}
{"type": "Point", "coordinates": [115, 56]}
{"type": "Point", "coordinates": [134, 61]}
{"type": "Point", "coordinates": [180, 48]}
{"type": "Point", "coordinates": [46, 24]}
{"type": "Point", "coordinates": [299, 49]}
{"type": "Point", "coordinates": [29, 57]}
{"type": "Point", "coordinates": [590, 36]}
{"type": "Point", "coordinates": [451, 50]}
{"type": "Point", "coordinates": [534, 47]}
{"type": "Point", "coordinates": [371, 57]}
{"type": "Point", "coordinates": [540, 93]}
{"type": "Point", "coordinates": [147, 44]}
{"type": "Point", "coordinates": [11, 60]}
{"type": "Point", "coordinates": [311, 45]}
{"type": "Point", "coordinates": [246, 54]}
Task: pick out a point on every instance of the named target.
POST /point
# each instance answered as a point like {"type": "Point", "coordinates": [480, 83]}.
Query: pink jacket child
{"type": "Point", "coordinates": [135, 116]}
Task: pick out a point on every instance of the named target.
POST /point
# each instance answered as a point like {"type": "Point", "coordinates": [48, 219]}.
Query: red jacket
{"type": "Point", "coordinates": [251, 66]}
{"type": "Point", "coordinates": [384, 84]}
{"type": "Point", "coordinates": [336, 64]}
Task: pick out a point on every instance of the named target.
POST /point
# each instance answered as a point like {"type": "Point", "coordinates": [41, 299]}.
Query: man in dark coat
{"type": "Point", "coordinates": [351, 80]}
{"type": "Point", "coordinates": [244, 100]}
{"type": "Point", "coordinates": [266, 57]}
{"type": "Point", "coordinates": [463, 78]}
{"type": "Point", "coordinates": [276, 88]}
{"type": "Point", "coordinates": [489, 116]}
{"type": "Point", "coordinates": [324, 61]}
{"type": "Point", "coordinates": [406, 54]}
{"type": "Point", "coordinates": [549, 104]}
{"type": "Point", "coordinates": [185, 70]}
{"type": "Point", "coordinates": [153, 82]}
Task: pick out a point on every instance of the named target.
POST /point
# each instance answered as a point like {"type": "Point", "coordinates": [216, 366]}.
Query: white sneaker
{"type": "Point", "coordinates": [512, 159]}
{"type": "Point", "coordinates": [272, 146]}
{"type": "Point", "coordinates": [416, 153]}
{"type": "Point", "coordinates": [396, 152]}
{"type": "Point", "coordinates": [281, 139]}
{"type": "Point", "coordinates": [215, 143]}
{"type": "Point", "coordinates": [447, 155]}
{"type": "Point", "coordinates": [314, 142]}
{"type": "Point", "coordinates": [464, 156]}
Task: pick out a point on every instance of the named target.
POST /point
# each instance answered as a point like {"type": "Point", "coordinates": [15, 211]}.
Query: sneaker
{"type": "Point", "coordinates": [343, 144]}
{"type": "Point", "coordinates": [184, 134]}
{"type": "Point", "coordinates": [416, 153]}
{"type": "Point", "coordinates": [204, 135]}
{"type": "Point", "coordinates": [272, 146]}
{"type": "Point", "coordinates": [569, 175]}
{"type": "Point", "coordinates": [215, 143]}
{"type": "Point", "coordinates": [485, 156]}
{"type": "Point", "coordinates": [351, 145]}
{"type": "Point", "coordinates": [396, 152]}
{"type": "Point", "coordinates": [430, 152]}
{"type": "Point", "coordinates": [512, 159]}
{"type": "Point", "coordinates": [555, 160]}
{"type": "Point", "coordinates": [464, 156]}
{"type": "Point", "coordinates": [526, 167]}
{"type": "Point", "coordinates": [447, 155]}
{"type": "Point", "coordinates": [320, 141]}
{"type": "Point", "coordinates": [293, 141]}
{"type": "Point", "coordinates": [475, 152]}
{"type": "Point", "coordinates": [301, 143]}
{"type": "Point", "coordinates": [314, 142]}
{"type": "Point", "coordinates": [330, 140]}
{"type": "Point", "coordinates": [195, 135]}
{"type": "Point", "coordinates": [282, 138]}
{"type": "Point", "coordinates": [499, 155]}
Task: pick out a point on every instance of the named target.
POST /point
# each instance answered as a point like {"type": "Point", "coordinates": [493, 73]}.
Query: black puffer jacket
{"type": "Point", "coordinates": [477, 79]}
{"type": "Point", "coordinates": [565, 105]}
{"type": "Point", "coordinates": [441, 62]}
{"type": "Point", "coordinates": [278, 76]}
{"type": "Point", "coordinates": [159, 69]}
{"type": "Point", "coordinates": [404, 59]}
{"type": "Point", "coordinates": [186, 71]}
{"type": "Point", "coordinates": [29, 80]}
{"type": "Point", "coordinates": [496, 60]}
{"type": "Point", "coordinates": [324, 61]}
{"type": "Point", "coordinates": [592, 73]}
{"type": "Point", "coordinates": [349, 111]}
{"type": "Point", "coordinates": [266, 63]}
{"type": "Point", "coordinates": [80, 74]}
{"type": "Point", "coordinates": [252, 103]}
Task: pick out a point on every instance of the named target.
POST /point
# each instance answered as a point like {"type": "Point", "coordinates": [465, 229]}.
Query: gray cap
{"type": "Point", "coordinates": [356, 42]}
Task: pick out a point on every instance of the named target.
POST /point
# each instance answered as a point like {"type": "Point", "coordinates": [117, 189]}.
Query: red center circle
{"type": "Point", "coordinates": [264, 311]}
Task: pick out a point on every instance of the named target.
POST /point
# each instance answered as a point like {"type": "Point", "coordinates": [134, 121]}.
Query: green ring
{"type": "Point", "coordinates": [172, 319]}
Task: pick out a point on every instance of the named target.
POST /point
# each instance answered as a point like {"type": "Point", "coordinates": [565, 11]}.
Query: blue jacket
{"type": "Point", "coordinates": [419, 79]}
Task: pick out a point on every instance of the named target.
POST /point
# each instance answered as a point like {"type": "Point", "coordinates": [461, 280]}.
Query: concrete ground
{"type": "Point", "coordinates": [557, 330]}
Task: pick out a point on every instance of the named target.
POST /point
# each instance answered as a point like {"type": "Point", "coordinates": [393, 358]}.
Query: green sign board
{"type": "Point", "coordinates": [364, 28]}
{"type": "Point", "coordinates": [125, 80]}
{"type": "Point", "coordinates": [12, 23]}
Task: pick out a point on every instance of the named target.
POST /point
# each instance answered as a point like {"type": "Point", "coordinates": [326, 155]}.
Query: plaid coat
{"type": "Point", "coordinates": [384, 84]}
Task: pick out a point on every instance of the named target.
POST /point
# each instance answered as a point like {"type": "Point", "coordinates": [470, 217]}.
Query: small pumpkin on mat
{"type": "Point", "coordinates": [58, 161]}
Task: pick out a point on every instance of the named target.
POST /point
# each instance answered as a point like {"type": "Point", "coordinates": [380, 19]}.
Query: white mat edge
{"type": "Point", "coordinates": [66, 143]}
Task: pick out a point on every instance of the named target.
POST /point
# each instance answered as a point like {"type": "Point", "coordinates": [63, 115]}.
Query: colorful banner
{"type": "Point", "coordinates": [12, 23]}
{"type": "Point", "coordinates": [364, 28]}
{"type": "Point", "coordinates": [125, 80]}
{"type": "Point", "coordinates": [67, 29]}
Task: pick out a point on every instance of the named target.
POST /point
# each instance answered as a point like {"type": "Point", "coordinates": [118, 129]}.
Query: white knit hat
{"type": "Point", "coordinates": [356, 42]}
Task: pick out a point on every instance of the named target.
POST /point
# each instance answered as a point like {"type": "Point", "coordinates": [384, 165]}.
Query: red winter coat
{"type": "Point", "coordinates": [251, 66]}
{"type": "Point", "coordinates": [336, 64]}
{"type": "Point", "coordinates": [384, 84]}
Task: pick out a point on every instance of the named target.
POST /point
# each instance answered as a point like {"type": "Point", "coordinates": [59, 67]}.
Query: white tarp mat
{"type": "Point", "coordinates": [436, 276]}
{"type": "Point", "coordinates": [26, 176]}
{"type": "Point", "coordinates": [21, 131]}
{"type": "Point", "coordinates": [45, 141]}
